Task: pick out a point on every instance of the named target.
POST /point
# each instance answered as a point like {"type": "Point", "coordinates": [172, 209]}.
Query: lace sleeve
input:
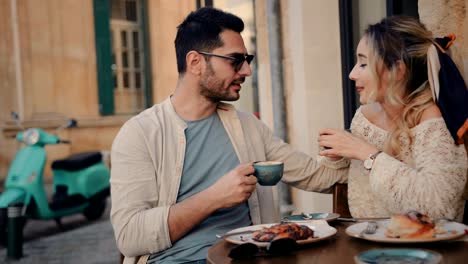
{"type": "Point", "coordinates": [433, 183]}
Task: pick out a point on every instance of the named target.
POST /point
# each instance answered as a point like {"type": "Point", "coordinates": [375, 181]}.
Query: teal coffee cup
{"type": "Point", "coordinates": [268, 173]}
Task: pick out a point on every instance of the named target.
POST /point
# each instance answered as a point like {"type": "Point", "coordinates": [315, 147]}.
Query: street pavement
{"type": "Point", "coordinates": [79, 242]}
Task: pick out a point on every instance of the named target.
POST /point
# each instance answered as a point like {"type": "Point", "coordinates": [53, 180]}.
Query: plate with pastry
{"type": "Point", "coordinates": [262, 235]}
{"type": "Point", "coordinates": [409, 227]}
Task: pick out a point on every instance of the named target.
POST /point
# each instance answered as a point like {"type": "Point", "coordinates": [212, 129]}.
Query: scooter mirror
{"type": "Point", "coordinates": [14, 115]}
{"type": "Point", "coordinates": [72, 123]}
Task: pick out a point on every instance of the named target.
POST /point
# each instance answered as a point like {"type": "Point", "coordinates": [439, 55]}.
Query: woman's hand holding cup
{"type": "Point", "coordinates": [337, 143]}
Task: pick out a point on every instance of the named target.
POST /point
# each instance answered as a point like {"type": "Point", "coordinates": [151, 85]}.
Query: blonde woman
{"type": "Point", "coordinates": [401, 154]}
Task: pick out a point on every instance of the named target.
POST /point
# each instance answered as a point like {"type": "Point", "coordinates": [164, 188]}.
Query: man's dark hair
{"type": "Point", "coordinates": [200, 31]}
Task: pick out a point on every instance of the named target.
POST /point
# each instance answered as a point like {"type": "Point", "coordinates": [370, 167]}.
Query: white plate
{"type": "Point", "coordinates": [321, 231]}
{"type": "Point", "coordinates": [453, 230]}
{"type": "Point", "coordinates": [299, 218]}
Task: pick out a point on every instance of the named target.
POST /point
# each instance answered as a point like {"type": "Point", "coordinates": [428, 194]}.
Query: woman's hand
{"type": "Point", "coordinates": [339, 143]}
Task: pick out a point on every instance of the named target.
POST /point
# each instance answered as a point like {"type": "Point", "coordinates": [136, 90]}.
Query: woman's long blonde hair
{"type": "Point", "coordinates": [392, 41]}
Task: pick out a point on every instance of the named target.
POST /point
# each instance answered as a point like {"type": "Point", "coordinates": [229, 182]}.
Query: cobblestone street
{"type": "Point", "coordinates": [80, 242]}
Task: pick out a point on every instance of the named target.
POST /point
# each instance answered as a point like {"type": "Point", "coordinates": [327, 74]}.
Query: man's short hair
{"type": "Point", "coordinates": [200, 31]}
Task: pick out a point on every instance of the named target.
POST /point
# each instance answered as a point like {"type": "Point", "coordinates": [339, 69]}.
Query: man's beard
{"type": "Point", "coordinates": [212, 88]}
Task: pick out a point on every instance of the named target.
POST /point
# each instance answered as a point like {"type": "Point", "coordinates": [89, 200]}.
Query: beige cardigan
{"type": "Point", "coordinates": [147, 161]}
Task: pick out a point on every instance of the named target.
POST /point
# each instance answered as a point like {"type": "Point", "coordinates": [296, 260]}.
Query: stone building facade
{"type": "Point", "coordinates": [49, 67]}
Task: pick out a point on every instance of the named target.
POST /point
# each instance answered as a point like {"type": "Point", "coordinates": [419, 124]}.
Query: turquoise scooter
{"type": "Point", "coordinates": [80, 182]}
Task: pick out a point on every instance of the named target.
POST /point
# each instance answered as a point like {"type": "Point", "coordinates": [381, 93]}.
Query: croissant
{"type": "Point", "coordinates": [411, 224]}
{"type": "Point", "coordinates": [286, 230]}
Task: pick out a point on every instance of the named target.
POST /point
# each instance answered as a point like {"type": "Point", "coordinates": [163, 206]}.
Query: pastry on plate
{"type": "Point", "coordinates": [411, 224]}
{"type": "Point", "coordinates": [285, 230]}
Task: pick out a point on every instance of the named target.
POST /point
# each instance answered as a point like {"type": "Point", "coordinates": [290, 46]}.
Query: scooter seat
{"type": "Point", "coordinates": [77, 161]}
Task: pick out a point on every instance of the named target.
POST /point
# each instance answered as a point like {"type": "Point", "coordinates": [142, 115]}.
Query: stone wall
{"type": "Point", "coordinates": [48, 71]}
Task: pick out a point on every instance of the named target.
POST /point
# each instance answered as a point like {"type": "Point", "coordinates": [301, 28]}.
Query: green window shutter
{"type": "Point", "coordinates": [103, 56]}
{"type": "Point", "coordinates": [146, 45]}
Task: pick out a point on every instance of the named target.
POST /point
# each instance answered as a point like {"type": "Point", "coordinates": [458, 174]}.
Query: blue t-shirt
{"type": "Point", "coordinates": [209, 155]}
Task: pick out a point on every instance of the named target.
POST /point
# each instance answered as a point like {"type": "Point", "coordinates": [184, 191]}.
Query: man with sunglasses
{"type": "Point", "coordinates": [181, 170]}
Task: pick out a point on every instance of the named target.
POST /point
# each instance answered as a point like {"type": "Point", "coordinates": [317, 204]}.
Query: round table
{"type": "Point", "coordinates": [340, 248]}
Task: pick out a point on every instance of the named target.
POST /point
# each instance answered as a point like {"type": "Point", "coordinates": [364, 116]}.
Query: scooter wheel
{"type": "Point", "coordinates": [3, 226]}
{"type": "Point", "coordinates": [95, 209]}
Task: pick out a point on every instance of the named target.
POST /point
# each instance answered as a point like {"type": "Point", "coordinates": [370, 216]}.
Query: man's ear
{"type": "Point", "coordinates": [194, 62]}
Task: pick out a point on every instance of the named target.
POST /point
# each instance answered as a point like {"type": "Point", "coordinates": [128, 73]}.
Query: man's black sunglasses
{"type": "Point", "coordinates": [237, 59]}
{"type": "Point", "coordinates": [283, 246]}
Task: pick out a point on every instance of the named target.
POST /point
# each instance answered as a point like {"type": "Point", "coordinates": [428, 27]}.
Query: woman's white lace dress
{"type": "Point", "coordinates": [430, 177]}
